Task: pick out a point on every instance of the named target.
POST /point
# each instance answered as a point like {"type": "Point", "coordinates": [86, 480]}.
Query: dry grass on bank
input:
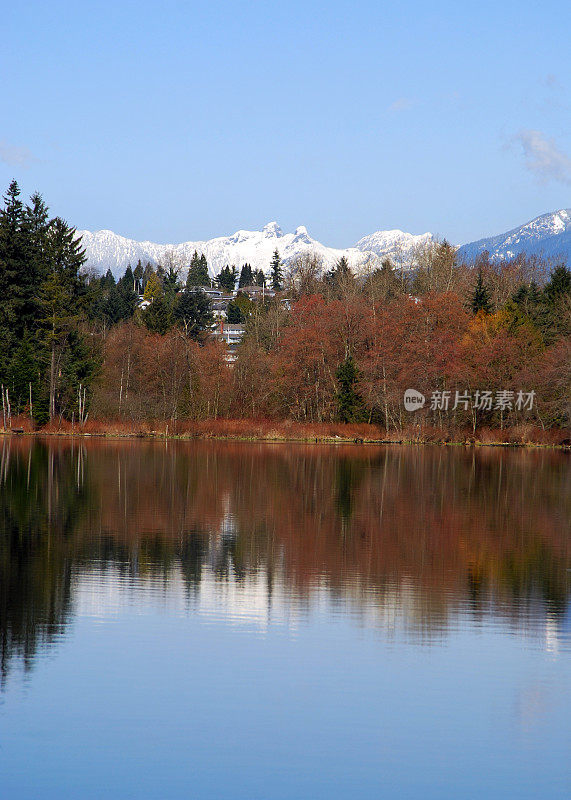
{"type": "Point", "coordinates": [287, 430]}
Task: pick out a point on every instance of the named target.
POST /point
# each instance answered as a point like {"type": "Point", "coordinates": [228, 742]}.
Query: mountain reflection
{"type": "Point", "coordinates": [402, 537]}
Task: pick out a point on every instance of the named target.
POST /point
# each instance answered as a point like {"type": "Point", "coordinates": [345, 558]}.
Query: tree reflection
{"type": "Point", "coordinates": [41, 506]}
{"type": "Point", "coordinates": [427, 530]}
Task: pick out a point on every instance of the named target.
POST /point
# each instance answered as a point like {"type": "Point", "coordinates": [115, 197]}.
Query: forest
{"type": "Point", "coordinates": [324, 347]}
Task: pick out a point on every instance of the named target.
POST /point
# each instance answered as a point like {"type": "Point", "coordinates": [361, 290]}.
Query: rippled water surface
{"type": "Point", "coordinates": [216, 620]}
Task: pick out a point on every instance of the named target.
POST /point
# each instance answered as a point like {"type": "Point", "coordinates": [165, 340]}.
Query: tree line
{"type": "Point", "coordinates": [343, 348]}
{"type": "Point", "coordinates": [46, 354]}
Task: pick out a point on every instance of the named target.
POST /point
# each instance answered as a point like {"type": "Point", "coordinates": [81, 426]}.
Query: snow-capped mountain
{"type": "Point", "coordinates": [397, 245]}
{"type": "Point", "coordinates": [107, 250]}
{"type": "Point", "coordinates": [548, 235]}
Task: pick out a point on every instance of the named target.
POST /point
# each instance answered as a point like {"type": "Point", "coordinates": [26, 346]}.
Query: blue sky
{"type": "Point", "coordinates": [172, 121]}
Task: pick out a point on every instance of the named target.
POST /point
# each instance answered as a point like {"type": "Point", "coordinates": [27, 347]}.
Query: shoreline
{"type": "Point", "coordinates": [275, 438]}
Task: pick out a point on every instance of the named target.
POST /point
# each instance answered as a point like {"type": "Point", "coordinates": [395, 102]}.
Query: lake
{"type": "Point", "coordinates": [233, 620]}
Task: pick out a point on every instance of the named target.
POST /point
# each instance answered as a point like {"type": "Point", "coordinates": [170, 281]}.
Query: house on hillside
{"type": "Point", "coordinates": [231, 335]}
{"type": "Point", "coordinates": [255, 292]}
{"type": "Point", "coordinates": [220, 304]}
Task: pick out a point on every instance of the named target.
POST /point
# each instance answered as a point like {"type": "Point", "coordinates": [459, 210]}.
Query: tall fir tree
{"type": "Point", "coordinates": [350, 405]}
{"type": "Point", "coordinates": [127, 280]}
{"type": "Point", "coordinates": [559, 284]}
{"type": "Point", "coordinates": [36, 229]}
{"type": "Point", "coordinates": [147, 272]}
{"type": "Point", "coordinates": [246, 276]}
{"type": "Point", "coordinates": [108, 280]}
{"type": "Point", "coordinates": [12, 266]}
{"type": "Point", "coordinates": [226, 279]}
{"type": "Point", "coordinates": [556, 297]}
{"type": "Point", "coordinates": [197, 271]}
{"type": "Point", "coordinates": [193, 311]}
{"type": "Point", "coordinates": [276, 272]}
{"type": "Point", "coordinates": [62, 296]}
{"type": "Point", "coordinates": [234, 314]}
{"type": "Point", "coordinates": [122, 299]}
{"type": "Point", "coordinates": [153, 288]}
{"type": "Point", "coordinates": [138, 278]}
{"type": "Point", "coordinates": [158, 316]}
{"type": "Point", "coordinates": [340, 272]}
{"type": "Point", "coordinates": [481, 298]}
{"type": "Point", "coordinates": [24, 375]}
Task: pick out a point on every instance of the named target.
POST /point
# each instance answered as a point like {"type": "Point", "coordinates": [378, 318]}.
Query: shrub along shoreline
{"type": "Point", "coordinates": [271, 431]}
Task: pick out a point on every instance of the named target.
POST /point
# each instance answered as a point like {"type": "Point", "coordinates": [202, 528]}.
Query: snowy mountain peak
{"type": "Point", "coordinates": [272, 229]}
{"type": "Point", "coordinates": [397, 245]}
{"type": "Point", "coordinates": [106, 250]}
{"type": "Point", "coordinates": [302, 236]}
{"type": "Point", "coordinates": [548, 235]}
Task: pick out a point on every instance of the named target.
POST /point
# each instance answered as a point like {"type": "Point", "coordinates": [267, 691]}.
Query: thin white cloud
{"type": "Point", "coordinates": [543, 157]}
{"type": "Point", "coordinates": [15, 155]}
{"type": "Point", "coordinates": [402, 104]}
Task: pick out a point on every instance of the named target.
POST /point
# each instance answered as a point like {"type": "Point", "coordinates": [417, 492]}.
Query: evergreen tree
{"type": "Point", "coordinates": [153, 288]}
{"type": "Point", "coordinates": [108, 280]}
{"type": "Point", "coordinates": [12, 267]}
{"type": "Point", "coordinates": [383, 284]}
{"type": "Point", "coordinates": [234, 314]}
{"type": "Point", "coordinates": [121, 300]}
{"type": "Point", "coordinates": [171, 280]}
{"type": "Point", "coordinates": [243, 302]}
{"type": "Point", "coordinates": [193, 311]}
{"type": "Point", "coordinates": [62, 297]}
{"type": "Point", "coordinates": [339, 274]}
{"type": "Point", "coordinates": [77, 366]}
{"type": "Point", "coordinates": [554, 321]}
{"type": "Point", "coordinates": [113, 308]}
{"type": "Point", "coordinates": [23, 374]}
{"type": "Point", "coordinates": [44, 296]}
{"type": "Point", "coordinates": [36, 227]}
{"type": "Point", "coordinates": [558, 285]}
{"type": "Point", "coordinates": [481, 299]}
{"type": "Point", "coordinates": [350, 406]}
{"type": "Point", "coordinates": [158, 316]}
{"type": "Point", "coordinates": [260, 278]}
{"type": "Point", "coordinates": [138, 277]}
{"type": "Point", "coordinates": [128, 280]}
{"type": "Point", "coordinates": [528, 298]}
{"type": "Point", "coordinates": [276, 272]}
{"type": "Point", "coordinates": [226, 279]}
{"type": "Point", "coordinates": [147, 272]}
{"type": "Point", "coordinates": [197, 272]}
{"type": "Point", "coordinates": [246, 276]}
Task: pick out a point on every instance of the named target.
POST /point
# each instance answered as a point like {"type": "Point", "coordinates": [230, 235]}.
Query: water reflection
{"type": "Point", "coordinates": [407, 540]}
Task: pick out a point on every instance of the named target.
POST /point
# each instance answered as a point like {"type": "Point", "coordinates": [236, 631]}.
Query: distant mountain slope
{"type": "Point", "coordinates": [397, 245]}
{"type": "Point", "coordinates": [107, 250]}
{"type": "Point", "coordinates": [548, 235]}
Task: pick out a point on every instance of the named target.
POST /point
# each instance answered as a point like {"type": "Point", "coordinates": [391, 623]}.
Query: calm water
{"type": "Point", "coordinates": [235, 621]}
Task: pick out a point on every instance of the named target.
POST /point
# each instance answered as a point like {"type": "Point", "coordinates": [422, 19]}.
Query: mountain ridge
{"type": "Point", "coordinates": [547, 235]}
{"type": "Point", "coordinates": [108, 250]}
